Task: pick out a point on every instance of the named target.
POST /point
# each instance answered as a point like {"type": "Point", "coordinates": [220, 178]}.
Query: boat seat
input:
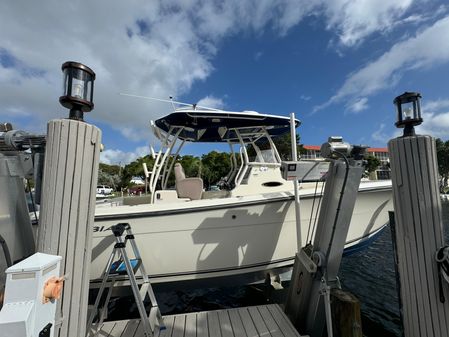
{"type": "Point", "coordinates": [191, 188]}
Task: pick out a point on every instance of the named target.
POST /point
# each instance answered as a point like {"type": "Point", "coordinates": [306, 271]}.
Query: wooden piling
{"type": "Point", "coordinates": [67, 214]}
{"type": "Point", "coordinates": [346, 317]}
{"type": "Point", "coordinates": [419, 233]}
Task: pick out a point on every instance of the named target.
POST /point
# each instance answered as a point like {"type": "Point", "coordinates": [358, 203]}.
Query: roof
{"type": "Point", "coordinates": [378, 149]}
{"type": "Point", "coordinates": [204, 125]}
{"type": "Point", "coordinates": [312, 147]}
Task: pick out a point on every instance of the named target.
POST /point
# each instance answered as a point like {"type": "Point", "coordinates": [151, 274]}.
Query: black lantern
{"type": "Point", "coordinates": [408, 112]}
{"type": "Point", "coordinates": [78, 89]}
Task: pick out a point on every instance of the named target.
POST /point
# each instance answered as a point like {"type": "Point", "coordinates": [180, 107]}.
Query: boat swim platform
{"type": "Point", "coordinates": [254, 321]}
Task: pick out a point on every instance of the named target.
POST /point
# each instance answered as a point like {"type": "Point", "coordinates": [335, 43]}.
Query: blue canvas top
{"type": "Point", "coordinates": [204, 125]}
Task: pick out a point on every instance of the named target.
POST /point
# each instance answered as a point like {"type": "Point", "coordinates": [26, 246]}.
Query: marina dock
{"type": "Point", "coordinates": [47, 293]}
{"type": "Point", "coordinates": [262, 320]}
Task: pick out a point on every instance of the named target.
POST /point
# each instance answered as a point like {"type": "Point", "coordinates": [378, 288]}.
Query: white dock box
{"type": "Point", "coordinates": [24, 312]}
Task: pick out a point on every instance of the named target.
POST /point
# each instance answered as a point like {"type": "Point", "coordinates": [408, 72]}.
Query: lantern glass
{"type": "Point", "coordinates": [408, 109]}
{"type": "Point", "coordinates": [78, 82]}
{"type": "Point", "coordinates": [65, 84]}
{"type": "Point", "coordinates": [81, 84]}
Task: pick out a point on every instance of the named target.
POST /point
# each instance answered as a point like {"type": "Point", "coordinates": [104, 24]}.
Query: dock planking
{"type": "Point", "coordinates": [262, 320]}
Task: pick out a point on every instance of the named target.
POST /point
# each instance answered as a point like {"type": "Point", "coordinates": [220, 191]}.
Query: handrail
{"type": "Point", "coordinates": [166, 174]}
{"type": "Point", "coordinates": [242, 171]}
{"type": "Point", "coordinates": [160, 161]}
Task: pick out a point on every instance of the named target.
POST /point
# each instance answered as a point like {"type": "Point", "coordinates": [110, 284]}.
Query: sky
{"type": "Point", "coordinates": [337, 64]}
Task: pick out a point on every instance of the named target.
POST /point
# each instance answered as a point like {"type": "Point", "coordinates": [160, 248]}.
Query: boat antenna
{"type": "Point", "coordinates": [169, 101]}
{"type": "Point", "coordinates": [172, 103]}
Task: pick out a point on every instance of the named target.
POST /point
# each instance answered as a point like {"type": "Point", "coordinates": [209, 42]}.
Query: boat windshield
{"type": "Point", "coordinates": [261, 155]}
{"type": "Point", "coordinates": [267, 156]}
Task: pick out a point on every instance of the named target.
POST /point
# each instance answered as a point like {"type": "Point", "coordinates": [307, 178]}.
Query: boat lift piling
{"type": "Point", "coordinates": [68, 203]}
{"type": "Point", "coordinates": [419, 238]}
{"type": "Point", "coordinates": [315, 272]}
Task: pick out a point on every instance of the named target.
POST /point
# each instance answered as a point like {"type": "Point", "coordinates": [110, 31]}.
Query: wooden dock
{"type": "Point", "coordinates": [263, 320]}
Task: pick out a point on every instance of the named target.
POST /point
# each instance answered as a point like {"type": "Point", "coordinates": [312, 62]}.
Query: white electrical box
{"type": "Point", "coordinates": [304, 170]}
{"type": "Point", "coordinates": [25, 313]}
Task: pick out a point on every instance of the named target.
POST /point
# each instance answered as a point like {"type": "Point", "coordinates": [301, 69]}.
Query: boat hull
{"type": "Point", "coordinates": [226, 237]}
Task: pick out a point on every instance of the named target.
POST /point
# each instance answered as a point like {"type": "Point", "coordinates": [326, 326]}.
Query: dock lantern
{"type": "Point", "coordinates": [78, 89]}
{"type": "Point", "coordinates": [408, 112]}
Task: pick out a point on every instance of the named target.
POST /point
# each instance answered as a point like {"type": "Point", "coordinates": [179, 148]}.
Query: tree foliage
{"type": "Point", "coordinates": [283, 145]}
{"type": "Point", "coordinates": [191, 165]}
{"type": "Point", "coordinates": [443, 161]}
{"type": "Point", "coordinates": [372, 163]}
{"type": "Point", "coordinates": [135, 169]}
{"type": "Point", "coordinates": [110, 175]}
{"type": "Point", "coordinates": [214, 166]}
{"type": "Point", "coordinates": [443, 157]}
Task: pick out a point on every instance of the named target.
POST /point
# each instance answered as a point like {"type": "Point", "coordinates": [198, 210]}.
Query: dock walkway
{"type": "Point", "coordinates": [263, 320]}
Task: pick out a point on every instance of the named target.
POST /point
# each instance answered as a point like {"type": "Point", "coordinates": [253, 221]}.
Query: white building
{"type": "Point", "coordinates": [137, 181]}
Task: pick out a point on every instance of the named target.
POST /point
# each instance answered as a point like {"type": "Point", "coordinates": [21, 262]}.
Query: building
{"type": "Point", "coordinates": [137, 181]}
{"type": "Point", "coordinates": [312, 152]}
{"type": "Point", "coordinates": [383, 171]}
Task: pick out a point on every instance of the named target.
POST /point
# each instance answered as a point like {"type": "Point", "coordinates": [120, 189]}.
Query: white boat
{"type": "Point", "coordinates": [247, 230]}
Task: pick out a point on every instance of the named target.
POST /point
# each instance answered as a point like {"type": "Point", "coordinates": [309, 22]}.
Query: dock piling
{"type": "Point", "coordinates": [346, 317]}
{"type": "Point", "coordinates": [67, 214]}
{"type": "Point", "coordinates": [418, 227]}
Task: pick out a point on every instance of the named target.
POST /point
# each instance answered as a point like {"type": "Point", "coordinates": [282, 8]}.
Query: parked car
{"type": "Point", "coordinates": [136, 190]}
{"type": "Point", "coordinates": [104, 189]}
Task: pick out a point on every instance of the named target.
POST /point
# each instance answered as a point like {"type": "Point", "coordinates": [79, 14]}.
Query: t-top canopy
{"type": "Point", "coordinates": [204, 125]}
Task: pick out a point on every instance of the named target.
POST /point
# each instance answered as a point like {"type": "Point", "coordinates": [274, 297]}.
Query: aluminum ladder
{"type": "Point", "coordinates": [124, 266]}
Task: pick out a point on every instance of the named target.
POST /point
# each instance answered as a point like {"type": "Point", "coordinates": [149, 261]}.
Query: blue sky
{"type": "Point", "coordinates": [337, 64]}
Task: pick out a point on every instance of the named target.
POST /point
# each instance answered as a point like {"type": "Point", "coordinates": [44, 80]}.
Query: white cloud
{"type": "Point", "coordinates": [437, 105]}
{"type": "Point", "coordinates": [305, 97]}
{"type": "Point", "coordinates": [211, 102]}
{"type": "Point", "coordinates": [354, 20]}
{"type": "Point", "coordinates": [357, 105]}
{"type": "Point", "coordinates": [135, 134]}
{"type": "Point", "coordinates": [383, 134]}
{"type": "Point", "coordinates": [428, 48]}
{"type": "Point", "coordinates": [110, 156]}
{"type": "Point", "coordinates": [151, 48]}
{"type": "Point", "coordinates": [435, 116]}
{"type": "Point", "coordinates": [435, 124]}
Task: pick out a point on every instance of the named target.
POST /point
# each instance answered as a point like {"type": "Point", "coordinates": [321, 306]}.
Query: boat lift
{"type": "Point", "coordinates": [315, 272]}
{"type": "Point", "coordinates": [21, 157]}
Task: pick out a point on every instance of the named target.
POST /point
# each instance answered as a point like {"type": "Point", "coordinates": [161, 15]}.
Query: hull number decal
{"type": "Point", "coordinates": [101, 228]}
